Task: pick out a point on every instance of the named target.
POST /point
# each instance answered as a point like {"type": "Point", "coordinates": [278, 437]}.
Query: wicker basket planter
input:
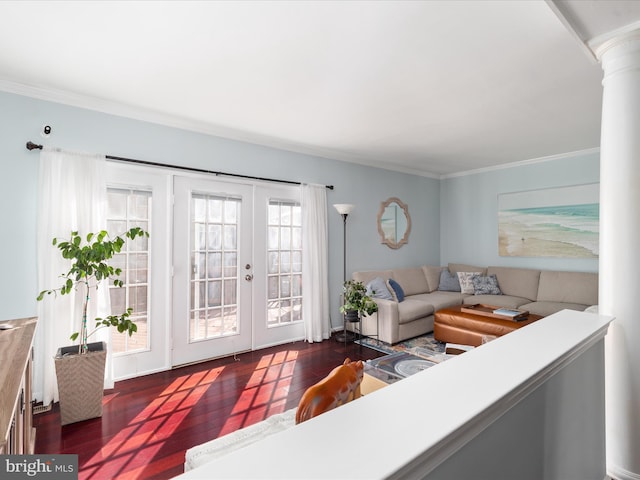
{"type": "Point", "coordinates": [81, 376]}
{"type": "Point", "coordinates": [80, 382]}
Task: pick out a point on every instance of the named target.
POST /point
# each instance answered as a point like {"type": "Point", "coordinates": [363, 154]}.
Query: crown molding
{"type": "Point", "coordinates": [596, 46]}
{"type": "Point", "coordinates": [573, 30]}
{"type": "Point", "coordinates": [138, 113]}
{"type": "Point", "coordinates": [146, 115]}
{"type": "Point", "coordinates": [521, 163]}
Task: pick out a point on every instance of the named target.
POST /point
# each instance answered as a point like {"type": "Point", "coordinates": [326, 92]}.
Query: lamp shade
{"type": "Point", "coordinates": [344, 208]}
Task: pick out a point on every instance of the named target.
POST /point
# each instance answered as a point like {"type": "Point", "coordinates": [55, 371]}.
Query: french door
{"type": "Point", "coordinates": [277, 284]}
{"type": "Point", "coordinates": [213, 269]}
{"type": "Point", "coordinates": [237, 282]}
{"type": "Point", "coordinates": [140, 197]}
{"type": "Point", "coordinates": [223, 274]}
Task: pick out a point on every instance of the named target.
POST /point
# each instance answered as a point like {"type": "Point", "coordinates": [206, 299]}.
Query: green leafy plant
{"type": "Point", "coordinates": [89, 266]}
{"type": "Point", "coordinates": [355, 298]}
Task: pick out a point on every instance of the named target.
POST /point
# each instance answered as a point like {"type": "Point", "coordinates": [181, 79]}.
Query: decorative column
{"type": "Point", "coordinates": [620, 249]}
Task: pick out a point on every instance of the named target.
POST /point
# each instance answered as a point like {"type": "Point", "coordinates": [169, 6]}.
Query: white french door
{"type": "Point", "coordinates": [140, 197]}
{"type": "Point", "coordinates": [228, 279]}
{"type": "Point", "coordinates": [213, 269]}
{"type": "Point", "coordinates": [277, 284]}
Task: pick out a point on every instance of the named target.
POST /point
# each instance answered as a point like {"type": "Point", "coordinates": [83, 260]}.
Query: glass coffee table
{"type": "Point", "coordinates": [392, 368]}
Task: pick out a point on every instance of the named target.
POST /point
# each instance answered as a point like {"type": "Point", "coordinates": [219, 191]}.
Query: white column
{"type": "Point", "coordinates": [620, 249]}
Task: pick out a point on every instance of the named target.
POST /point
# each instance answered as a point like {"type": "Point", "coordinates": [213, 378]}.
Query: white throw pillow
{"type": "Point", "coordinates": [466, 282]}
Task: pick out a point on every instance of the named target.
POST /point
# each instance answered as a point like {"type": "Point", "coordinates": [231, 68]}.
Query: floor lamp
{"type": "Point", "coordinates": [344, 209]}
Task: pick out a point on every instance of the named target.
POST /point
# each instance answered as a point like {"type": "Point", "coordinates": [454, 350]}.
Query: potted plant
{"type": "Point", "coordinates": [356, 302]}
{"type": "Point", "coordinates": [80, 368]}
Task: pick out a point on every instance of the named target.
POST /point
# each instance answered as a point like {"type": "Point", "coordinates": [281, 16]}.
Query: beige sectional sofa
{"type": "Point", "coordinates": [541, 292]}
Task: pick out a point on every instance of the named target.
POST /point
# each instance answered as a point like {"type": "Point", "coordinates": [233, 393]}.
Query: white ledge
{"type": "Point", "coordinates": [408, 429]}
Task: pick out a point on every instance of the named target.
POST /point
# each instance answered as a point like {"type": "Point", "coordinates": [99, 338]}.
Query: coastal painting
{"type": "Point", "coordinates": [554, 222]}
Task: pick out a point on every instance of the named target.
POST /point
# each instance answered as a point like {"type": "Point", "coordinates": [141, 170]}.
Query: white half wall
{"type": "Point", "coordinates": [528, 405]}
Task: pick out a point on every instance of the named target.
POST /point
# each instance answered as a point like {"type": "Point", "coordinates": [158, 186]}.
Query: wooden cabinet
{"type": "Point", "coordinates": [16, 410]}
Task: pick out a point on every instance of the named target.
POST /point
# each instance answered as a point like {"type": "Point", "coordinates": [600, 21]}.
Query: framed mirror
{"type": "Point", "coordinates": [394, 223]}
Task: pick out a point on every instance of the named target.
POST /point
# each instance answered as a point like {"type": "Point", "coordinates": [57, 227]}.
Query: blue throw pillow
{"type": "Point", "coordinates": [397, 289]}
{"type": "Point", "coordinates": [377, 288]}
{"type": "Point", "coordinates": [448, 281]}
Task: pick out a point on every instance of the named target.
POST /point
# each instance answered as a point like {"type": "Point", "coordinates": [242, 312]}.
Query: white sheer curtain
{"type": "Point", "coordinates": [72, 196]}
{"type": "Point", "coordinates": [315, 277]}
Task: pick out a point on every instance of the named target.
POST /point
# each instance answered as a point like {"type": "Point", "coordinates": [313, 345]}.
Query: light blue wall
{"type": "Point", "coordinates": [469, 210]}
{"type": "Point", "coordinates": [22, 118]}
{"type": "Point", "coordinates": [453, 220]}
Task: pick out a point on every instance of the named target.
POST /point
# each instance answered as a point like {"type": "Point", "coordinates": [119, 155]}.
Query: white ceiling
{"type": "Point", "coordinates": [428, 87]}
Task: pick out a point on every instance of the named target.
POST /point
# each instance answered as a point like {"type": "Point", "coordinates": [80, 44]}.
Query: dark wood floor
{"type": "Point", "coordinates": [148, 423]}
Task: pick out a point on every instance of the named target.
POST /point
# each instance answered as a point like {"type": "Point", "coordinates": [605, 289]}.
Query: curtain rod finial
{"type": "Point", "coordinates": [33, 146]}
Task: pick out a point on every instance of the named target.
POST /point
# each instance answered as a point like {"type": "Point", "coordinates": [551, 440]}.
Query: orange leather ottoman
{"type": "Point", "coordinates": [452, 325]}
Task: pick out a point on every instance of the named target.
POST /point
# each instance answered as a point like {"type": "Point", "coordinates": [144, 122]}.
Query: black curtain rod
{"type": "Point", "coordinates": [34, 146]}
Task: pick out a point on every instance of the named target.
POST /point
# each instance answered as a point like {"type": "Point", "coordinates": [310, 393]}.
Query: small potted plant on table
{"type": "Point", "coordinates": [356, 302]}
{"type": "Point", "coordinates": [80, 368]}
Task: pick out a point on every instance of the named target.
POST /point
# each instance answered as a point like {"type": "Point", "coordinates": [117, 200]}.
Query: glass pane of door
{"type": "Point", "coordinates": [127, 209]}
{"type": "Point", "coordinates": [214, 261]}
{"type": "Point", "coordinates": [277, 286]}
{"type": "Point", "coordinates": [284, 270]}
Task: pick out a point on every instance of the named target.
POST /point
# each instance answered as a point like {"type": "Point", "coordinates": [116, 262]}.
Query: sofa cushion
{"type": "Point", "coordinates": [485, 285]}
{"type": "Point", "coordinates": [461, 267]}
{"type": "Point", "coordinates": [548, 308]}
{"type": "Point", "coordinates": [507, 301]}
{"type": "Point", "coordinates": [466, 282]}
{"type": "Point", "coordinates": [413, 309]}
{"type": "Point", "coordinates": [441, 300]}
{"type": "Point", "coordinates": [412, 280]}
{"type": "Point", "coordinates": [432, 275]}
{"type": "Point", "coordinates": [397, 290]}
{"type": "Point", "coordinates": [377, 288]}
{"type": "Point", "coordinates": [448, 282]}
{"type": "Point", "coordinates": [517, 282]}
{"type": "Point", "coordinates": [569, 287]}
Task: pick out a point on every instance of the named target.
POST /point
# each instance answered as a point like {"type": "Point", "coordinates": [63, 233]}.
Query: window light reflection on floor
{"type": "Point", "coordinates": [132, 449]}
{"type": "Point", "coordinates": [151, 427]}
{"type": "Point", "coordinates": [265, 393]}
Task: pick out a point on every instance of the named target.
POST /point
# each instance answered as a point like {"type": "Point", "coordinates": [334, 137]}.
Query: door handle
{"type": "Point", "coordinates": [248, 277]}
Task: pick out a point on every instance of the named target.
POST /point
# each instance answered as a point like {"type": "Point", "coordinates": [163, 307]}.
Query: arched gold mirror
{"type": "Point", "coordinates": [394, 223]}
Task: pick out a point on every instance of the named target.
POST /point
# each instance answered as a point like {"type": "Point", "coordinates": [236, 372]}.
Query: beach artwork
{"type": "Point", "coordinates": [554, 222]}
